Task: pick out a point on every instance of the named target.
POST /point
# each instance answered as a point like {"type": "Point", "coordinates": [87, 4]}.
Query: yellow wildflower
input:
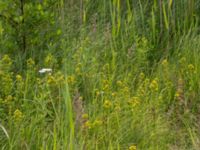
{"type": "Point", "coordinates": [79, 65]}
{"type": "Point", "coordinates": [134, 101]}
{"type": "Point", "coordinates": [106, 87]}
{"type": "Point", "coordinates": [126, 89]}
{"type": "Point", "coordinates": [30, 62]}
{"type": "Point", "coordinates": [191, 68]}
{"type": "Point", "coordinates": [38, 81]}
{"type": "Point", "coordinates": [8, 99]}
{"type": "Point", "coordinates": [87, 125]}
{"type": "Point", "coordinates": [71, 79]}
{"type": "Point", "coordinates": [182, 60]}
{"type": "Point", "coordinates": [17, 115]}
{"type": "Point", "coordinates": [177, 94]}
{"type": "Point", "coordinates": [119, 83]}
{"type": "Point", "coordinates": [78, 70]}
{"type": "Point", "coordinates": [51, 79]}
{"type": "Point", "coordinates": [107, 104]}
{"type": "Point", "coordinates": [97, 122]}
{"type": "Point", "coordinates": [114, 94]}
{"type": "Point", "coordinates": [80, 98]}
{"type": "Point", "coordinates": [97, 93]}
{"type": "Point", "coordinates": [141, 90]}
{"type": "Point", "coordinates": [49, 60]}
{"type": "Point", "coordinates": [154, 85]}
{"type": "Point", "coordinates": [105, 82]}
{"type": "Point", "coordinates": [85, 116]}
{"type": "Point", "coordinates": [6, 83]}
{"type": "Point", "coordinates": [6, 60]}
{"type": "Point", "coordinates": [142, 76]}
{"type": "Point", "coordinates": [19, 78]}
{"type": "Point", "coordinates": [60, 78]}
{"type": "Point", "coordinates": [133, 147]}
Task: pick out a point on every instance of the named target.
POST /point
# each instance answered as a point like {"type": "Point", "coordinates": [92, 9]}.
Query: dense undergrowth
{"type": "Point", "coordinates": [125, 75]}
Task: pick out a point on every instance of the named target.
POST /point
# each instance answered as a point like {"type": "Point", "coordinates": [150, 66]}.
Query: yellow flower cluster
{"type": "Point", "coordinates": [113, 94]}
{"type": "Point", "coordinates": [6, 83]}
{"type": "Point", "coordinates": [6, 61]}
{"type": "Point", "coordinates": [182, 61]}
{"type": "Point", "coordinates": [107, 104]}
{"type": "Point", "coordinates": [134, 101]}
{"type": "Point", "coordinates": [51, 79]}
{"type": "Point", "coordinates": [191, 68]}
{"type": "Point", "coordinates": [154, 85]}
{"type": "Point", "coordinates": [89, 125]}
{"type": "Point", "coordinates": [18, 115]}
{"type": "Point", "coordinates": [119, 83]}
{"type": "Point", "coordinates": [141, 76]}
{"type": "Point", "coordinates": [133, 147]}
{"type": "Point", "coordinates": [8, 99]}
{"type": "Point", "coordinates": [97, 122]}
{"type": "Point", "coordinates": [71, 79]}
{"type": "Point", "coordinates": [126, 90]}
{"type": "Point", "coordinates": [49, 60]}
{"type": "Point", "coordinates": [19, 78]}
{"type": "Point", "coordinates": [30, 63]}
{"type": "Point", "coordinates": [97, 92]}
{"type": "Point", "coordinates": [141, 91]}
{"type": "Point", "coordinates": [85, 116]}
{"type": "Point", "coordinates": [177, 94]}
{"type": "Point", "coordinates": [57, 78]}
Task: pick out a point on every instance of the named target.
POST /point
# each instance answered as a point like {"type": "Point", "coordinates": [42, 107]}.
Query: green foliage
{"type": "Point", "coordinates": [29, 27]}
{"type": "Point", "coordinates": [110, 74]}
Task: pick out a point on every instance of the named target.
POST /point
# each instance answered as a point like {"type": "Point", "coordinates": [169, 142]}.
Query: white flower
{"type": "Point", "coordinates": [45, 70]}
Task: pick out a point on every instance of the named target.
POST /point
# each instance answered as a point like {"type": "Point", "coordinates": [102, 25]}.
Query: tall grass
{"type": "Point", "coordinates": [125, 76]}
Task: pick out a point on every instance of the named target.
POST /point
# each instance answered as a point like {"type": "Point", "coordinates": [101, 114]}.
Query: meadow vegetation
{"type": "Point", "coordinates": [125, 75]}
